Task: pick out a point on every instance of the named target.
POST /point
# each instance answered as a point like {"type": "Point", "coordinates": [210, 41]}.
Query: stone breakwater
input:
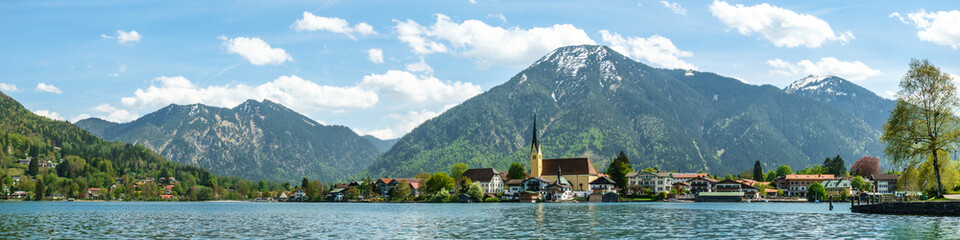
{"type": "Point", "coordinates": [951, 208]}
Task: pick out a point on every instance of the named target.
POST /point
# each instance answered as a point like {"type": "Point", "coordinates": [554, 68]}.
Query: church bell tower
{"type": "Point", "coordinates": [536, 157]}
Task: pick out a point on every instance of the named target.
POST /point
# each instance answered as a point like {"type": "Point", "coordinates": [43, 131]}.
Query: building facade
{"type": "Point", "coordinates": [655, 181]}
{"type": "Point", "coordinates": [797, 184]}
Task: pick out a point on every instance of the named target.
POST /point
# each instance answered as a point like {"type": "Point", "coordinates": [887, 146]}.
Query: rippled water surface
{"type": "Point", "coordinates": [476, 221]}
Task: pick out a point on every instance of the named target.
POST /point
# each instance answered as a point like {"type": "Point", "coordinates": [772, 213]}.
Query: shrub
{"type": "Point", "coordinates": [491, 199]}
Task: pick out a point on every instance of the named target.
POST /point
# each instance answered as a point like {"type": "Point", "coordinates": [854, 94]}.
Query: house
{"type": "Point", "coordinates": [168, 188]}
{"type": "Point", "coordinates": [886, 183]}
{"type": "Point", "coordinates": [298, 196]}
{"type": "Point", "coordinates": [835, 188]}
{"type": "Point", "coordinates": [283, 197]}
{"type": "Point", "coordinates": [681, 187]}
{"type": "Point", "coordinates": [686, 177]}
{"type": "Point", "coordinates": [336, 194]}
{"type": "Point", "coordinates": [19, 194]}
{"type": "Point", "coordinates": [16, 178]}
{"type": "Point", "coordinates": [559, 190]}
{"type": "Point", "coordinates": [749, 191]}
{"type": "Point", "coordinates": [603, 185]}
{"type": "Point", "coordinates": [414, 184]}
{"type": "Point", "coordinates": [702, 184]}
{"type": "Point", "coordinates": [513, 189]}
{"type": "Point", "coordinates": [384, 185]}
{"type": "Point", "coordinates": [796, 184]}
{"type": "Point", "coordinates": [25, 161]}
{"type": "Point", "coordinates": [655, 181]}
{"type": "Point", "coordinates": [94, 192]}
{"type": "Point", "coordinates": [578, 171]}
{"type": "Point", "coordinates": [166, 197]}
{"type": "Point", "coordinates": [490, 180]}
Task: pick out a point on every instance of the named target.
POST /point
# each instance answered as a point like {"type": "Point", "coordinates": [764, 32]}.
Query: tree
{"type": "Point", "coordinates": [859, 184]}
{"type": "Point", "coordinates": [758, 172]}
{"type": "Point", "coordinates": [947, 177]}
{"type": "Point", "coordinates": [650, 169]}
{"type": "Point", "coordinates": [835, 166]}
{"type": "Point", "coordinates": [401, 191]}
{"type": "Point", "coordinates": [923, 123]}
{"type": "Point", "coordinates": [784, 170]}
{"type": "Point", "coordinates": [516, 171]}
{"type": "Point", "coordinates": [34, 167]}
{"type": "Point", "coordinates": [304, 183]}
{"type": "Point", "coordinates": [867, 167]}
{"type": "Point", "coordinates": [457, 170]}
{"type": "Point", "coordinates": [908, 180]}
{"type": "Point", "coordinates": [439, 181]}
{"type": "Point", "coordinates": [816, 192]}
{"type": "Point", "coordinates": [463, 184]}
{"type": "Point", "coordinates": [618, 170]}
{"type": "Point", "coordinates": [475, 192]}
{"type": "Point", "coordinates": [39, 190]}
{"type": "Point", "coordinates": [352, 193]}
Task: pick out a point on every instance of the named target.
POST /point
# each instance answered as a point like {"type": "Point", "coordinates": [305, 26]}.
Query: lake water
{"type": "Point", "coordinates": [230, 220]}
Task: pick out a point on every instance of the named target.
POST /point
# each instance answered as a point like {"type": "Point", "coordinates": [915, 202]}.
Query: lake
{"type": "Point", "coordinates": [232, 220]}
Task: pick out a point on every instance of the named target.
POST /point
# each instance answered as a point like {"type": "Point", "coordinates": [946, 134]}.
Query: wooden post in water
{"type": "Point", "coordinates": [831, 203]}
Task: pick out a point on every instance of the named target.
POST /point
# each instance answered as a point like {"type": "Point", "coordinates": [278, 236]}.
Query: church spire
{"type": "Point", "coordinates": [536, 157]}
{"type": "Point", "coordinates": [536, 143]}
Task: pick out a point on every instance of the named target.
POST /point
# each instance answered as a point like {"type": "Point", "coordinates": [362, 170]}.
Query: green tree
{"type": "Point", "coordinates": [39, 190]}
{"type": "Point", "coordinates": [784, 170]}
{"type": "Point", "coordinates": [618, 170]}
{"type": "Point", "coordinates": [352, 193]}
{"type": "Point", "coordinates": [859, 184]}
{"type": "Point", "coordinates": [402, 190]}
{"type": "Point", "coordinates": [516, 171]}
{"type": "Point", "coordinates": [834, 166]}
{"type": "Point", "coordinates": [816, 192]}
{"type": "Point", "coordinates": [923, 123]}
{"type": "Point", "coordinates": [947, 177]}
{"type": "Point", "coordinates": [314, 191]}
{"type": "Point", "coordinates": [439, 181]}
{"type": "Point", "coordinates": [34, 167]}
{"type": "Point", "coordinates": [908, 180]}
{"type": "Point", "coordinates": [650, 169]}
{"type": "Point", "coordinates": [457, 170]}
{"type": "Point", "coordinates": [304, 183]}
{"type": "Point", "coordinates": [758, 172]}
{"type": "Point", "coordinates": [475, 192]}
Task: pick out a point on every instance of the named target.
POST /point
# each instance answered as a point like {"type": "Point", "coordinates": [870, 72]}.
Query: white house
{"type": "Point", "coordinates": [655, 181]}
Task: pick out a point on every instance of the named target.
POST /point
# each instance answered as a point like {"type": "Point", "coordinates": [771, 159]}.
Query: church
{"type": "Point", "coordinates": [579, 172]}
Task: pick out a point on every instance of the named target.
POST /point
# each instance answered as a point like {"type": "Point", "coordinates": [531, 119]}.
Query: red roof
{"type": "Point", "coordinates": [386, 180]}
{"type": "Point", "coordinates": [689, 175]}
{"type": "Point", "coordinates": [568, 166]}
{"type": "Point", "coordinates": [415, 185]}
{"type": "Point", "coordinates": [809, 177]}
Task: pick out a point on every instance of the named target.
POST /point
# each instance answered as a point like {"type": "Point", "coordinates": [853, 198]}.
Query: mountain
{"type": "Point", "coordinates": [383, 145]}
{"type": "Point", "coordinates": [845, 96]}
{"type": "Point", "coordinates": [90, 161]}
{"type": "Point", "coordinates": [592, 101]}
{"type": "Point", "coordinates": [254, 140]}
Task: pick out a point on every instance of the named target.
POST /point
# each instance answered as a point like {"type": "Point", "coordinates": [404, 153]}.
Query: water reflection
{"type": "Point", "coordinates": [483, 221]}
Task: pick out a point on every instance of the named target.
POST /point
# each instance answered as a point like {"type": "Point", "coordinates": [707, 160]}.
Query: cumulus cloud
{"type": "Point", "coordinates": [486, 44]}
{"type": "Point", "coordinates": [8, 87]}
{"type": "Point", "coordinates": [402, 124]}
{"type": "Point", "coordinates": [113, 114]}
{"type": "Point", "coordinates": [291, 91]}
{"type": "Point", "coordinates": [855, 70]}
{"type": "Point", "coordinates": [375, 55]}
{"type": "Point", "coordinates": [782, 27]}
{"type": "Point", "coordinates": [77, 118]}
{"type": "Point", "coordinates": [656, 49]}
{"type": "Point", "coordinates": [43, 87]}
{"type": "Point", "coordinates": [407, 86]}
{"type": "Point", "coordinates": [421, 67]}
{"type": "Point", "coordinates": [939, 27]}
{"type": "Point", "coordinates": [675, 7]}
{"type": "Point", "coordinates": [124, 36]}
{"type": "Point", "coordinates": [255, 50]}
{"type": "Point", "coordinates": [310, 23]}
{"type": "Point", "coordinates": [49, 114]}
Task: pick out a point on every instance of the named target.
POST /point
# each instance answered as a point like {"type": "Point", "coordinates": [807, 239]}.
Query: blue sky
{"type": "Point", "coordinates": [383, 67]}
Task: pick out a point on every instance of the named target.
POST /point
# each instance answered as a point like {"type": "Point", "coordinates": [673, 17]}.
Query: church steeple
{"type": "Point", "coordinates": [536, 157]}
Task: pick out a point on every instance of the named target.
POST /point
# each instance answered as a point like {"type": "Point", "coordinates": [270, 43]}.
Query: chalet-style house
{"type": "Point", "coordinates": [387, 184]}
{"type": "Point", "coordinates": [490, 180]}
{"type": "Point", "coordinates": [603, 185]}
{"type": "Point", "coordinates": [886, 183]}
{"type": "Point", "coordinates": [702, 184]}
{"type": "Point", "coordinates": [835, 188]}
{"type": "Point", "coordinates": [686, 177]}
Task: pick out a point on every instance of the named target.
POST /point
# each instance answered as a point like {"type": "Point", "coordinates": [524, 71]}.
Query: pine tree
{"type": "Point", "coordinates": [758, 172]}
{"type": "Point", "coordinates": [39, 190]}
{"type": "Point", "coordinates": [618, 170]}
{"type": "Point", "coordinates": [34, 168]}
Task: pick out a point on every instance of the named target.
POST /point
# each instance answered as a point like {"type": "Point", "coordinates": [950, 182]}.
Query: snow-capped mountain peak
{"type": "Point", "coordinates": [814, 82]}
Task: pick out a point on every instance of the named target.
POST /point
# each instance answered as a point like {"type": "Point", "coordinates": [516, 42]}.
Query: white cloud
{"type": "Point", "coordinates": [49, 114]}
{"type": "Point", "coordinates": [488, 45]}
{"type": "Point", "coordinates": [675, 7]}
{"type": "Point", "coordinates": [421, 67]}
{"type": "Point", "coordinates": [498, 16]}
{"type": "Point", "coordinates": [656, 49]}
{"type": "Point", "coordinates": [124, 36]}
{"type": "Point", "coordinates": [782, 27]}
{"type": "Point", "coordinates": [114, 114]}
{"type": "Point", "coordinates": [310, 23]}
{"type": "Point", "coordinates": [406, 86]}
{"type": "Point", "coordinates": [9, 87]}
{"type": "Point", "coordinates": [375, 55]}
{"type": "Point", "coordinates": [939, 27]}
{"type": "Point", "coordinates": [402, 124]}
{"type": "Point", "coordinates": [473, 1]}
{"type": "Point", "coordinates": [43, 87]}
{"type": "Point", "coordinates": [255, 50]}
{"type": "Point", "coordinates": [77, 118]}
{"type": "Point", "coordinates": [291, 91]}
{"type": "Point", "coordinates": [855, 70]}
